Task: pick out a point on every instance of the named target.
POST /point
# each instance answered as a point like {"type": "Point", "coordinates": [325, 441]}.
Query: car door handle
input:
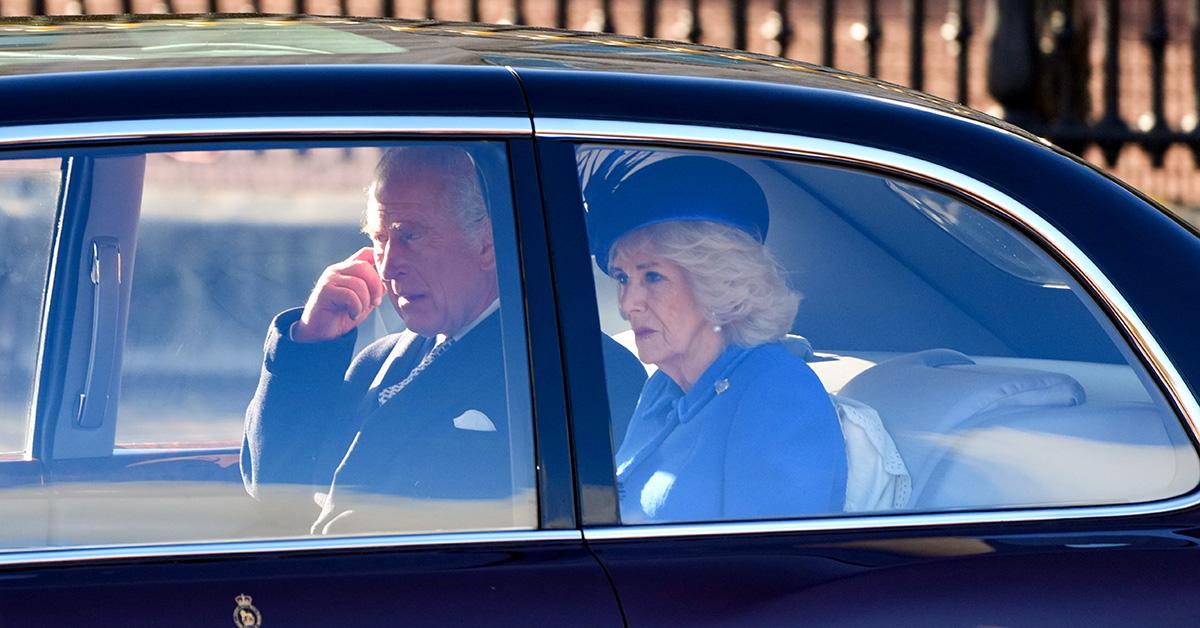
{"type": "Point", "coordinates": [106, 303]}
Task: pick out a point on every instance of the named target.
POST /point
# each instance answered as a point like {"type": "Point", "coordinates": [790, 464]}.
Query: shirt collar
{"type": "Point", "coordinates": [495, 305]}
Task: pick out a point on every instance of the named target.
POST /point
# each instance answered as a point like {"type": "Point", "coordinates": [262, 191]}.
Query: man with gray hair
{"type": "Point", "coordinates": [421, 414]}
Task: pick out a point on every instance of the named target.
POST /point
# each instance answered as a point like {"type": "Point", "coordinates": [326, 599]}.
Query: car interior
{"type": "Point", "coordinates": [1000, 380]}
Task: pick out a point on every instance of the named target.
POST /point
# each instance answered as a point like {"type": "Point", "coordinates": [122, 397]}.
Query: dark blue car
{"type": "Point", "coordinates": [1006, 339]}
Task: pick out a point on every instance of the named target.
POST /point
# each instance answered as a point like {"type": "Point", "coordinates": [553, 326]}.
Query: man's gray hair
{"type": "Point", "coordinates": [456, 169]}
{"type": "Point", "coordinates": [734, 279]}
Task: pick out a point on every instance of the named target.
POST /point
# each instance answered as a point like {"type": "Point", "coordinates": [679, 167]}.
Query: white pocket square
{"type": "Point", "coordinates": [475, 421]}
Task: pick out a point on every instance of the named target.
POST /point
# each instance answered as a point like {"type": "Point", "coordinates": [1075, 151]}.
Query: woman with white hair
{"type": "Point", "coordinates": [732, 426]}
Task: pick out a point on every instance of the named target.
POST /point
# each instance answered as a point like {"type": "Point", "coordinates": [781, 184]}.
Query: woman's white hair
{"type": "Point", "coordinates": [734, 279]}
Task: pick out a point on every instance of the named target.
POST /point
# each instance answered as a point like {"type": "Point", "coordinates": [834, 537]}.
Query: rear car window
{"type": "Point", "coordinates": [823, 341]}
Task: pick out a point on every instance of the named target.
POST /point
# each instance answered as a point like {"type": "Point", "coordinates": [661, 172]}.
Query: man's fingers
{"type": "Point", "coordinates": [350, 289]}
{"type": "Point", "coordinates": [359, 287]}
{"type": "Point", "coordinates": [365, 272]}
{"type": "Point", "coordinates": [362, 265]}
{"type": "Point", "coordinates": [344, 300]}
{"type": "Point", "coordinates": [365, 254]}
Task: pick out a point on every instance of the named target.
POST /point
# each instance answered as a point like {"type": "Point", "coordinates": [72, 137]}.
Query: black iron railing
{"type": "Point", "coordinates": [1052, 100]}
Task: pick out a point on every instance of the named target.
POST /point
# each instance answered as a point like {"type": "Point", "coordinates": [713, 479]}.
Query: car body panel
{"type": "Point", "coordinates": [543, 583]}
{"type": "Point", "coordinates": [256, 91]}
{"type": "Point", "coordinates": [987, 576]}
{"type": "Point", "coordinates": [96, 44]}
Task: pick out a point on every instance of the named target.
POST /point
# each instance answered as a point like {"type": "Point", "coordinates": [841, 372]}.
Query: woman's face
{"type": "Point", "coordinates": [657, 300]}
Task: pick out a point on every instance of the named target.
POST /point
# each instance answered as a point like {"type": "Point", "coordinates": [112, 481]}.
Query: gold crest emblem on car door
{"type": "Point", "coordinates": [246, 615]}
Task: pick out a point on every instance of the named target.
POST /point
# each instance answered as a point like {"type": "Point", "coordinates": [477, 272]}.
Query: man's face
{"type": "Point", "coordinates": [439, 280]}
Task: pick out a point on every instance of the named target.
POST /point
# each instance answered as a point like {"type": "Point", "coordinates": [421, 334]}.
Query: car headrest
{"type": "Point", "coordinates": [799, 346]}
{"type": "Point", "coordinates": [923, 396]}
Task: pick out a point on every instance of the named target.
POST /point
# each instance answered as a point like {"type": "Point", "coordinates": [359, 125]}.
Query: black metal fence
{"type": "Point", "coordinates": [1095, 76]}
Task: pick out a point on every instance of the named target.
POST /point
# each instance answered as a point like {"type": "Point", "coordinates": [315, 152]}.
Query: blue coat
{"type": "Point", "coordinates": [755, 437]}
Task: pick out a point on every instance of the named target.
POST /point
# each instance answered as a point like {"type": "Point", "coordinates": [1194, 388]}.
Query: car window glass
{"type": "Point", "coordinates": [28, 196]}
{"type": "Point", "coordinates": [226, 240]}
{"type": "Point", "coordinates": [232, 423]}
{"type": "Point", "coordinates": [823, 341]}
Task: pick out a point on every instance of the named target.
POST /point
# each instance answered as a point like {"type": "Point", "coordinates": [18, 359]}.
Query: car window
{"type": "Point", "coordinates": [226, 240]}
{"type": "Point", "coordinates": [28, 197]}
{"type": "Point", "coordinates": [398, 403]}
{"type": "Point", "coordinates": [822, 340]}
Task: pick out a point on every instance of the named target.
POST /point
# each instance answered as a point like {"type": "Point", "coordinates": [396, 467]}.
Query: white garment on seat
{"type": "Point", "coordinates": [876, 476]}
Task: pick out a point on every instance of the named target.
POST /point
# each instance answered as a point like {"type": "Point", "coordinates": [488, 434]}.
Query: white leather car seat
{"type": "Point", "coordinates": [975, 435]}
{"type": "Point", "coordinates": [924, 396]}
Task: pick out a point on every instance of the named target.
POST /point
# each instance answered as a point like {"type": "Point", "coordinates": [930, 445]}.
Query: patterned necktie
{"type": "Point", "coordinates": [390, 391]}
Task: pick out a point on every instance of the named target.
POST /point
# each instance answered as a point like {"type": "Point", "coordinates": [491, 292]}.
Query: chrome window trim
{"type": "Point", "coordinates": [879, 521]}
{"type": "Point", "coordinates": [52, 273]}
{"type": "Point", "coordinates": [233, 448]}
{"type": "Point", "coordinates": [153, 129]}
{"type": "Point", "coordinates": [830, 151]}
{"type": "Point", "coordinates": [229, 548]}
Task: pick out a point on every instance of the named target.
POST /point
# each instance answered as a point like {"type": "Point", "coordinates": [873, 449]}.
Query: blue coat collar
{"type": "Point", "coordinates": [664, 406]}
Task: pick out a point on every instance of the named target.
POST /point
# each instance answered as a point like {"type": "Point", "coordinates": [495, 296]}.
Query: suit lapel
{"type": "Point", "coordinates": [402, 359]}
{"type": "Point", "coordinates": [441, 382]}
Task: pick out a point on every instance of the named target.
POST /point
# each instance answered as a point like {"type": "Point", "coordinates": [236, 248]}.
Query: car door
{"type": "Point", "coordinates": [1016, 393]}
{"type": "Point", "coordinates": [159, 265]}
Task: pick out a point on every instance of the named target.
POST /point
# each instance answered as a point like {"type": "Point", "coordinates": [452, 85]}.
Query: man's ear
{"type": "Point", "coordinates": [487, 253]}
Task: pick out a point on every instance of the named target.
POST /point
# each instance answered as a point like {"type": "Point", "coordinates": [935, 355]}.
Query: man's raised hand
{"type": "Point", "coordinates": [345, 294]}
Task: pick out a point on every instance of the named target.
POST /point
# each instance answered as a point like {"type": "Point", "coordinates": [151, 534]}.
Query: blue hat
{"type": "Point", "coordinates": [689, 187]}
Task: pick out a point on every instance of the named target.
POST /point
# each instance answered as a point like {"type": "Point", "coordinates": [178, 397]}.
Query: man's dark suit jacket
{"type": "Point", "coordinates": [315, 420]}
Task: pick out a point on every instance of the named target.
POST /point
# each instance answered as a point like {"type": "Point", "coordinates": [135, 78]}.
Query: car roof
{"type": "Point", "coordinates": [83, 44]}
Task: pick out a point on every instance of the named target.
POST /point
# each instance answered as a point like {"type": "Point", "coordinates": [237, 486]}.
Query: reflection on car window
{"type": "Point", "coordinates": [28, 194]}
{"type": "Point", "coordinates": [936, 360]}
{"type": "Point", "coordinates": [227, 240]}
{"type": "Point", "coordinates": [994, 242]}
{"type": "Point", "coordinates": [73, 45]}
{"type": "Point", "coordinates": [320, 341]}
